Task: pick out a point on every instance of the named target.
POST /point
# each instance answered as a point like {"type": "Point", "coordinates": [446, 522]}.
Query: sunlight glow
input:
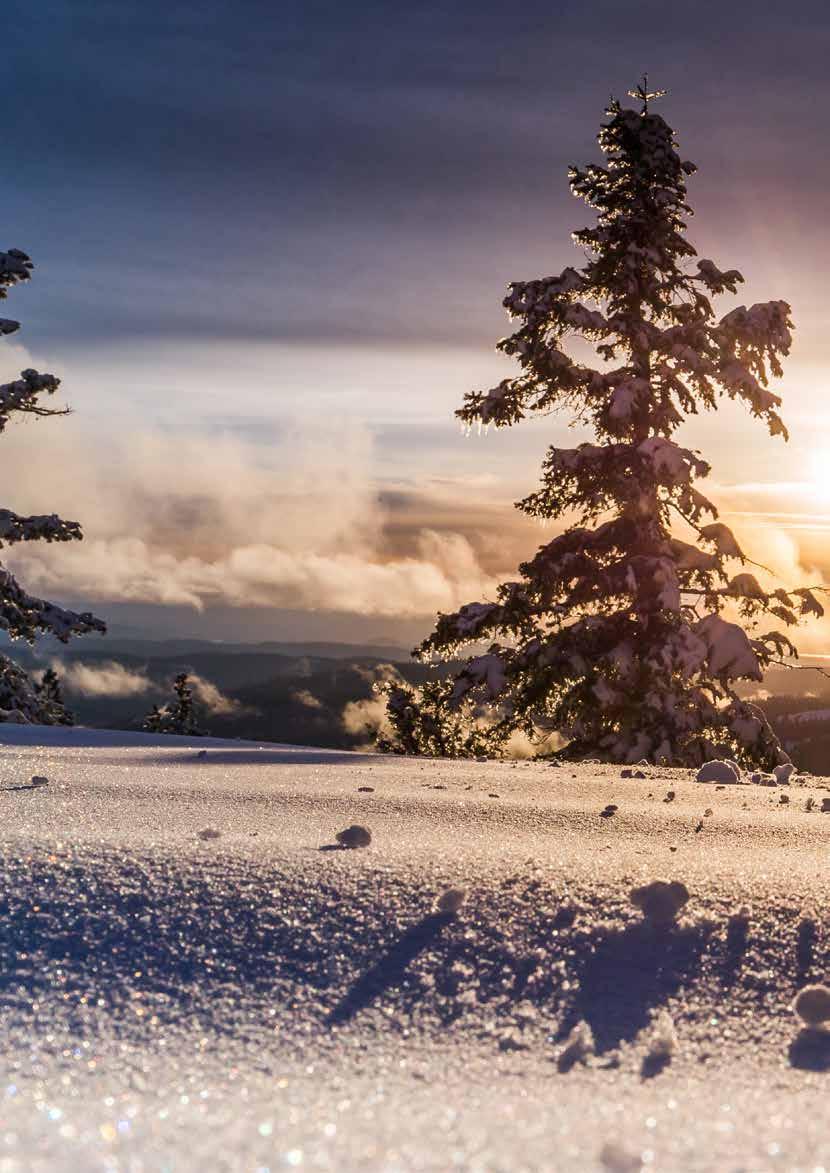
{"type": "Point", "coordinates": [819, 475]}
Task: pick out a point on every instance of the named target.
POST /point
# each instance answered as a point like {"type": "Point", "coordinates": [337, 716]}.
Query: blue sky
{"type": "Point", "coordinates": [274, 238]}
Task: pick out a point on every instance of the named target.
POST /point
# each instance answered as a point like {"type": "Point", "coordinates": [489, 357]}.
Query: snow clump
{"type": "Point", "coordinates": [578, 1046]}
{"type": "Point", "coordinates": [659, 901]}
{"type": "Point", "coordinates": [451, 900]}
{"type": "Point", "coordinates": [784, 773]}
{"type": "Point", "coordinates": [662, 1043]}
{"type": "Point", "coordinates": [812, 1005]}
{"type": "Point", "coordinates": [717, 771]}
{"type": "Point", "coordinates": [354, 836]}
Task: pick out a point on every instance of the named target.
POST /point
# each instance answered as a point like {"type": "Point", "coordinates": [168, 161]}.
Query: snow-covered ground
{"type": "Point", "coordinates": [194, 976]}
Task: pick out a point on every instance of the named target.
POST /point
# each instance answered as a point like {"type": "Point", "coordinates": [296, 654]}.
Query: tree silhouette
{"type": "Point", "coordinates": [51, 698]}
{"type": "Point", "coordinates": [613, 635]}
{"type": "Point", "coordinates": [177, 717]}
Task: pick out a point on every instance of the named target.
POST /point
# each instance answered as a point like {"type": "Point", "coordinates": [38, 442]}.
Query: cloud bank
{"type": "Point", "coordinates": [107, 679]}
{"type": "Point", "coordinates": [199, 518]}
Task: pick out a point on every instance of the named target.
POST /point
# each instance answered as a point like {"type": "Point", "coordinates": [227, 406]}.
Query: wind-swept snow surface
{"type": "Point", "coordinates": [196, 976]}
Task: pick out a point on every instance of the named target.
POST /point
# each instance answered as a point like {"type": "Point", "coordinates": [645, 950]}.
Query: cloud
{"type": "Point", "coordinates": [107, 679]}
{"type": "Point", "coordinates": [200, 518]}
{"type": "Point", "coordinates": [368, 718]}
{"type": "Point", "coordinates": [774, 538]}
{"type": "Point", "coordinates": [216, 703]}
{"type": "Point", "coordinates": [293, 516]}
{"type": "Point", "coordinates": [303, 697]}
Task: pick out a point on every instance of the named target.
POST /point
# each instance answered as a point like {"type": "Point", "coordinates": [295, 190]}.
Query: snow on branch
{"type": "Point", "coordinates": [535, 299]}
{"type": "Point", "coordinates": [729, 652]}
{"type": "Point", "coordinates": [47, 527]}
{"type": "Point", "coordinates": [722, 538]}
{"type": "Point", "coordinates": [716, 280]}
{"type": "Point", "coordinates": [22, 395]}
{"type": "Point", "coordinates": [23, 616]}
{"type": "Point", "coordinates": [15, 267]}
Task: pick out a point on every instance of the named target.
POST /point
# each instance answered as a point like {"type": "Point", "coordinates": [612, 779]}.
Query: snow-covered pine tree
{"type": "Point", "coordinates": [613, 636]}
{"type": "Point", "coordinates": [22, 616]}
{"type": "Point", "coordinates": [179, 716]}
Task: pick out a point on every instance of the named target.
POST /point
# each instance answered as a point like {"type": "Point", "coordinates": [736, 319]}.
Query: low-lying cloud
{"type": "Point", "coordinates": [211, 698]}
{"type": "Point", "coordinates": [106, 679]}
{"type": "Point", "coordinates": [200, 518]}
{"type": "Point", "coordinates": [195, 519]}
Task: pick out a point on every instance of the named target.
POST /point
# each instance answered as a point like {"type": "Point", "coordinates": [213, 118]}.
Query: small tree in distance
{"type": "Point", "coordinates": [613, 635]}
{"type": "Point", "coordinates": [177, 717]}
{"type": "Point", "coordinates": [22, 616]}
{"type": "Point", "coordinates": [51, 698]}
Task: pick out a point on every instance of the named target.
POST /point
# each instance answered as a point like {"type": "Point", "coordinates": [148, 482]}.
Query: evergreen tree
{"type": "Point", "coordinates": [177, 717]}
{"type": "Point", "coordinates": [51, 698]}
{"type": "Point", "coordinates": [154, 721]}
{"type": "Point", "coordinates": [613, 635]}
{"type": "Point", "coordinates": [22, 616]}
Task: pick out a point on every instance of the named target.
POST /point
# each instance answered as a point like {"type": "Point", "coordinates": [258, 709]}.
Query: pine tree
{"type": "Point", "coordinates": [614, 634]}
{"type": "Point", "coordinates": [51, 698]}
{"type": "Point", "coordinates": [154, 721]}
{"type": "Point", "coordinates": [177, 717]}
{"type": "Point", "coordinates": [22, 616]}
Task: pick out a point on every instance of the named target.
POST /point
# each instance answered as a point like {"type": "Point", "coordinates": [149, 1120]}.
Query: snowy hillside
{"type": "Point", "coordinates": [196, 976]}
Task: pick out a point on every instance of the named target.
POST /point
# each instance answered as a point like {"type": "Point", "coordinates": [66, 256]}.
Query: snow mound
{"type": "Point", "coordinates": [660, 902]}
{"type": "Point", "coordinates": [354, 836]}
{"type": "Point", "coordinates": [451, 901]}
{"type": "Point", "coordinates": [812, 1005]}
{"type": "Point", "coordinates": [719, 771]}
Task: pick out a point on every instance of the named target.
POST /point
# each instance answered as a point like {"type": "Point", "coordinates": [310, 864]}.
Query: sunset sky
{"type": "Point", "coordinates": [271, 242]}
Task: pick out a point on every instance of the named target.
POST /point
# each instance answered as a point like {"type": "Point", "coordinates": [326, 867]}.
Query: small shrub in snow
{"type": "Point", "coordinates": [354, 836]}
{"type": "Point", "coordinates": [659, 901]}
{"type": "Point", "coordinates": [577, 1048]}
{"type": "Point", "coordinates": [451, 900]}
{"type": "Point", "coordinates": [812, 1005]}
{"type": "Point", "coordinates": [718, 771]}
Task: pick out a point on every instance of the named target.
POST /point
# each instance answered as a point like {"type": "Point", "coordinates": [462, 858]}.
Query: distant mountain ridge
{"type": "Point", "coordinates": [114, 645]}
